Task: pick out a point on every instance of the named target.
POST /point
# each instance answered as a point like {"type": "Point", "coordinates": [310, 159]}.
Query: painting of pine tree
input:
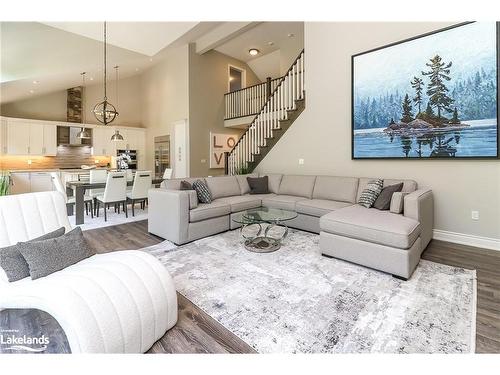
{"type": "Point", "coordinates": [433, 96]}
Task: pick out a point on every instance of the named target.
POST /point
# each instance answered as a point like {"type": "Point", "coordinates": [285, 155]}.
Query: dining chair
{"type": "Point", "coordinates": [97, 176]}
{"type": "Point", "coordinates": [130, 177]}
{"type": "Point", "coordinates": [115, 193]}
{"type": "Point", "coordinates": [88, 200]}
{"type": "Point", "coordinates": [142, 183]}
{"type": "Point", "coordinates": [167, 175]}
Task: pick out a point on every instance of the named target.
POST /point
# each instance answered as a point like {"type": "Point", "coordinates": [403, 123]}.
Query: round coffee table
{"type": "Point", "coordinates": [262, 220]}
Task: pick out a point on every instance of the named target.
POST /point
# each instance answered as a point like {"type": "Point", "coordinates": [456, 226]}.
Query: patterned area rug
{"type": "Point", "coordinates": [296, 301]}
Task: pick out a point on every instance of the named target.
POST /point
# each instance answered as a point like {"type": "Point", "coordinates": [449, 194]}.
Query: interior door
{"type": "Point", "coordinates": [181, 149]}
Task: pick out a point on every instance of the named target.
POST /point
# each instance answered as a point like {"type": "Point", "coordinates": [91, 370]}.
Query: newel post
{"type": "Point", "coordinates": [226, 164]}
{"type": "Point", "coordinates": [268, 86]}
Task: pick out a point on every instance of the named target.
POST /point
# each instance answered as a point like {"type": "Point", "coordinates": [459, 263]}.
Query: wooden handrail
{"type": "Point", "coordinates": [249, 87]}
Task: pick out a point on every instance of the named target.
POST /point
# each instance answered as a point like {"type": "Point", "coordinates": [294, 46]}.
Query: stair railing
{"type": "Point", "coordinates": [248, 101]}
{"type": "Point", "coordinates": [289, 89]}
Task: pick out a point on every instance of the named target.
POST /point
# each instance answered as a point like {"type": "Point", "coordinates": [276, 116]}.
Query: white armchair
{"type": "Point", "coordinates": [118, 302]}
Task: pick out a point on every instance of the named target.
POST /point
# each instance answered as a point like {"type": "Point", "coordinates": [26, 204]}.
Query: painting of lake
{"type": "Point", "coordinates": [434, 96]}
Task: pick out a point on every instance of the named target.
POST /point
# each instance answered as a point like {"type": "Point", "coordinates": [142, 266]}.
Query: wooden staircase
{"type": "Point", "coordinates": [282, 107]}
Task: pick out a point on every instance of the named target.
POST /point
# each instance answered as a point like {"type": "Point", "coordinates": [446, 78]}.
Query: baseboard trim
{"type": "Point", "coordinates": [467, 239]}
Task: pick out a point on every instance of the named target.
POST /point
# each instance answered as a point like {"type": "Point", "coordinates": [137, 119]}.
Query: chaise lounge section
{"type": "Point", "coordinates": [388, 240]}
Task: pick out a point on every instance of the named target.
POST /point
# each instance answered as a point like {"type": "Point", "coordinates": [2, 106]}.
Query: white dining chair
{"type": "Point", "coordinates": [167, 175]}
{"type": "Point", "coordinates": [142, 183]}
{"type": "Point", "coordinates": [130, 177]}
{"type": "Point", "coordinates": [115, 193]}
{"type": "Point", "coordinates": [88, 200]}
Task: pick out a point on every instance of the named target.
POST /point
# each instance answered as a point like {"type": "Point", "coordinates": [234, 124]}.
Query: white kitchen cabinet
{"type": "Point", "coordinates": [20, 183]}
{"type": "Point", "coordinates": [31, 182]}
{"type": "Point", "coordinates": [30, 138]}
{"type": "Point", "coordinates": [101, 141]}
{"type": "Point", "coordinates": [49, 140]}
{"type": "Point", "coordinates": [18, 138]}
{"type": "Point", "coordinates": [36, 139]}
{"type": "Point", "coordinates": [3, 136]}
{"type": "Point", "coordinates": [40, 181]}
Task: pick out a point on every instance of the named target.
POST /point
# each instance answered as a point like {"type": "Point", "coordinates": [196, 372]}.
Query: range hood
{"type": "Point", "coordinates": [67, 136]}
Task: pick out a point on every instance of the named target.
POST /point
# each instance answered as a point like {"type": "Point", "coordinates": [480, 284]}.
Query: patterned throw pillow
{"type": "Point", "coordinates": [204, 195]}
{"type": "Point", "coordinates": [371, 193]}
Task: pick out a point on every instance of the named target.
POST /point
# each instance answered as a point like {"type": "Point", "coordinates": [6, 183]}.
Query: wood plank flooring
{"type": "Point", "coordinates": [196, 332]}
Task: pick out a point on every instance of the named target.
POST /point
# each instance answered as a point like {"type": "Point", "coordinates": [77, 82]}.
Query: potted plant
{"type": "Point", "coordinates": [4, 182]}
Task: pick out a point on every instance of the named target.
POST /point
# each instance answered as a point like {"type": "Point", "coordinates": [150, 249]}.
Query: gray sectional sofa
{"type": "Point", "coordinates": [390, 241]}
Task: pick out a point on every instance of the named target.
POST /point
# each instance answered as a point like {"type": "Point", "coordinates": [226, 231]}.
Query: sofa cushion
{"type": "Point", "coordinates": [209, 210]}
{"type": "Point", "coordinates": [274, 181]}
{"type": "Point", "coordinates": [242, 181]}
{"type": "Point", "coordinates": [300, 186]}
{"type": "Point", "coordinates": [175, 184]}
{"type": "Point", "coordinates": [284, 202]}
{"type": "Point", "coordinates": [383, 201]}
{"type": "Point", "coordinates": [318, 207]}
{"type": "Point", "coordinates": [224, 186]}
{"type": "Point", "coordinates": [372, 225]}
{"type": "Point", "coordinates": [342, 189]}
{"type": "Point", "coordinates": [408, 185]}
{"type": "Point", "coordinates": [241, 202]}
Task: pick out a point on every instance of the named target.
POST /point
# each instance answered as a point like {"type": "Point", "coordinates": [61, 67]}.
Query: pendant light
{"type": "Point", "coordinates": [105, 112]}
{"type": "Point", "coordinates": [83, 133]}
{"type": "Point", "coordinates": [117, 136]}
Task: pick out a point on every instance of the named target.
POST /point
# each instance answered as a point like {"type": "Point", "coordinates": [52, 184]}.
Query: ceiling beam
{"type": "Point", "coordinates": [221, 34]}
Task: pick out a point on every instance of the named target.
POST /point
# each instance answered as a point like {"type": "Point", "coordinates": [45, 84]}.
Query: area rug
{"type": "Point", "coordinates": [296, 301]}
{"type": "Point", "coordinates": [114, 218]}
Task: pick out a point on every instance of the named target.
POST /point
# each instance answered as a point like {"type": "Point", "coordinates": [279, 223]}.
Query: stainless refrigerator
{"type": "Point", "coordinates": [162, 155]}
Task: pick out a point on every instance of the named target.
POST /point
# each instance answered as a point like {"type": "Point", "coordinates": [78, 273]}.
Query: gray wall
{"type": "Point", "coordinates": [322, 134]}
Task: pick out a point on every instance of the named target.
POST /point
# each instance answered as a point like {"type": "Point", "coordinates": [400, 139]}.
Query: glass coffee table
{"type": "Point", "coordinates": [258, 226]}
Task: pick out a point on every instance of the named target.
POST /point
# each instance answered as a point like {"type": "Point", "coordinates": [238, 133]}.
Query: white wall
{"type": "Point", "coordinates": [164, 97]}
{"type": "Point", "coordinates": [322, 133]}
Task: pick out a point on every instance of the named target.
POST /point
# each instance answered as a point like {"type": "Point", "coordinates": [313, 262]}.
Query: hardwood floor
{"type": "Point", "coordinates": [196, 332]}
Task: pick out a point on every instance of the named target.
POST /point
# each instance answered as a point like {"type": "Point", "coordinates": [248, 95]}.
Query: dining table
{"type": "Point", "coordinates": [78, 188]}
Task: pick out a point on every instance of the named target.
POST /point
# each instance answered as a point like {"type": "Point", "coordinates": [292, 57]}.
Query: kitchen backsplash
{"type": "Point", "coordinates": [67, 157]}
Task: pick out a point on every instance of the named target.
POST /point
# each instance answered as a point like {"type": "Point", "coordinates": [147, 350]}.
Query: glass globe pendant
{"type": "Point", "coordinates": [105, 112]}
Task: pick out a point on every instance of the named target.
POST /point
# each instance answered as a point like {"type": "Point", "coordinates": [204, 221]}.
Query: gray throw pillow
{"type": "Point", "coordinates": [370, 194]}
{"type": "Point", "coordinates": [14, 264]}
{"type": "Point", "coordinates": [258, 185]}
{"type": "Point", "coordinates": [203, 192]}
{"type": "Point", "coordinates": [383, 201]}
{"type": "Point", "coordinates": [185, 186]}
{"type": "Point", "coordinates": [52, 255]}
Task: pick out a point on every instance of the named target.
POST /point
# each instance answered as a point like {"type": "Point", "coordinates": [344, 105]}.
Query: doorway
{"type": "Point", "coordinates": [236, 78]}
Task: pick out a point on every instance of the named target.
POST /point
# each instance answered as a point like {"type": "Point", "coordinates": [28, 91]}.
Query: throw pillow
{"type": "Point", "coordinates": [14, 264]}
{"type": "Point", "coordinates": [258, 185]}
{"type": "Point", "coordinates": [371, 193]}
{"type": "Point", "coordinates": [383, 201]}
{"type": "Point", "coordinates": [397, 202]}
{"type": "Point", "coordinates": [185, 186]}
{"type": "Point", "coordinates": [202, 191]}
{"type": "Point", "coordinates": [52, 255]}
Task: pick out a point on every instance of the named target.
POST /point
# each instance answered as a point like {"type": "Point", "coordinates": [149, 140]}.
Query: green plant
{"type": "Point", "coordinates": [4, 182]}
{"type": "Point", "coordinates": [243, 169]}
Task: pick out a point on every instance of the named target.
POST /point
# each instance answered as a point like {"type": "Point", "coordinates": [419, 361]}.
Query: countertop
{"type": "Point", "coordinates": [33, 170]}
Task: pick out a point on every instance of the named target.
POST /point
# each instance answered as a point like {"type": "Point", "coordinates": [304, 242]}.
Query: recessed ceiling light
{"type": "Point", "coordinates": [136, 69]}
{"type": "Point", "coordinates": [270, 43]}
{"type": "Point", "coordinates": [291, 35]}
{"type": "Point", "coordinates": [151, 59]}
{"type": "Point", "coordinates": [253, 51]}
{"type": "Point", "coordinates": [91, 78]}
{"type": "Point", "coordinates": [32, 91]}
{"type": "Point", "coordinates": [36, 82]}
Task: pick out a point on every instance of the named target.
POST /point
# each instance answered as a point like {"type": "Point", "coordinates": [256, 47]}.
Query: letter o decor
{"type": "Point", "coordinates": [231, 142]}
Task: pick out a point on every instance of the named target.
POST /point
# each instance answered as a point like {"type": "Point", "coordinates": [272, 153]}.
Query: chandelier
{"type": "Point", "coordinates": [105, 112]}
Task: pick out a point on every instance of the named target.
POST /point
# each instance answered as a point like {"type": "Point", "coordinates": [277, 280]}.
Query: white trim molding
{"type": "Point", "coordinates": [467, 239]}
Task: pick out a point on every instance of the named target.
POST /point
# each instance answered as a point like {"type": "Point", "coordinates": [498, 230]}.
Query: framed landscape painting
{"type": "Point", "coordinates": [432, 96]}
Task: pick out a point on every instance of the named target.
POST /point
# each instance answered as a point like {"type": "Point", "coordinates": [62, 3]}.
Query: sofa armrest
{"type": "Point", "coordinates": [168, 214]}
{"type": "Point", "coordinates": [419, 205]}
